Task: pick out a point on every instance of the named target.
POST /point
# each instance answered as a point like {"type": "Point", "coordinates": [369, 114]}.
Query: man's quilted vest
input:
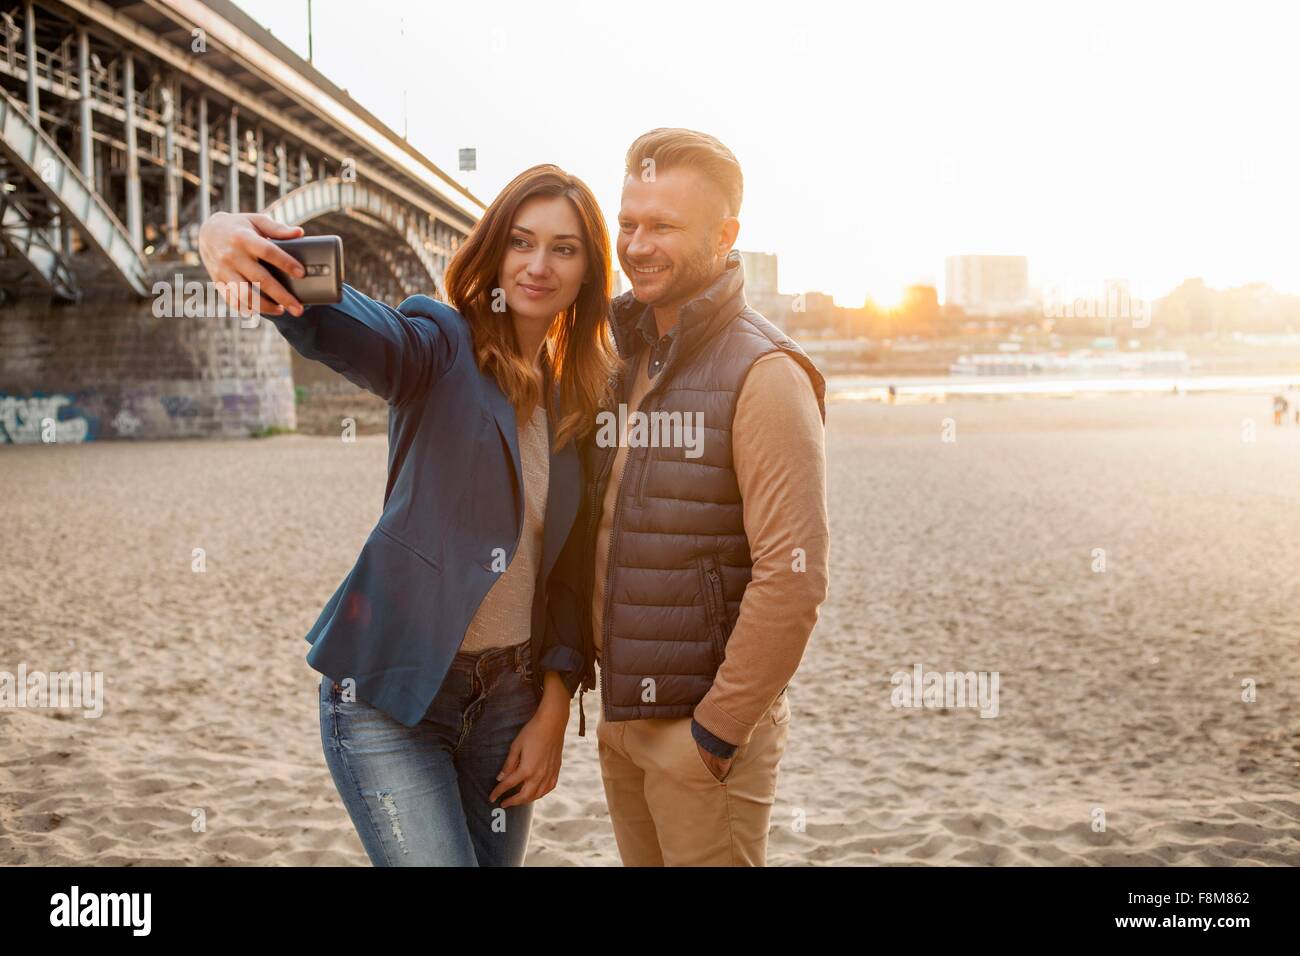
{"type": "Point", "coordinates": [679, 560]}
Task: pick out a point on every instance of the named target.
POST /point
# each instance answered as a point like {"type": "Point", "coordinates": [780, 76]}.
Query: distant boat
{"type": "Point", "coordinates": [1079, 362]}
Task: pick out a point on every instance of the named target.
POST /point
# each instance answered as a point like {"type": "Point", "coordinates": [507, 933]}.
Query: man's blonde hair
{"type": "Point", "coordinates": [669, 148]}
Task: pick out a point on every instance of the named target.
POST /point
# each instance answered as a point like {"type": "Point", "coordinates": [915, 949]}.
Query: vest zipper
{"type": "Point", "coordinates": [717, 606]}
{"type": "Point", "coordinates": [605, 600]}
{"type": "Point", "coordinates": [606, 465]}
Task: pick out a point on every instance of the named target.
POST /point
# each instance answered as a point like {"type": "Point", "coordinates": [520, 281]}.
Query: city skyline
{"type": "Point", "coordinates": [1049, 296]}
{"type": "Point", "coordinates": [1143, 148]}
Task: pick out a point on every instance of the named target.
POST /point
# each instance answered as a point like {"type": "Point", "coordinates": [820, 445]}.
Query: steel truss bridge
{"type": "Point", "coordinates": [125, 123]}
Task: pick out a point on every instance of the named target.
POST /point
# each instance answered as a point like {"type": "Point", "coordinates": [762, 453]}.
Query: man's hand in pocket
{"type": "Point", "coordinates": [718, 766]}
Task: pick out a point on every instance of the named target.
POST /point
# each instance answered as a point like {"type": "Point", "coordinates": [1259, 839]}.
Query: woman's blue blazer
{"type": "Point", "coordinates": [453, 505]}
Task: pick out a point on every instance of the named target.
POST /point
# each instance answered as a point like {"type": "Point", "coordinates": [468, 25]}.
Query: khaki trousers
{"type": "Point", "coordinates": [667, 807]}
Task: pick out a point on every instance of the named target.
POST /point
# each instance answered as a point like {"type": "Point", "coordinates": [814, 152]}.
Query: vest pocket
{"type": "Point", "coordinates": [644, 459]}
{"type": "Point", "coordinates": [644, 467]}
{"type": "Point", "coordinates": [715, 602]}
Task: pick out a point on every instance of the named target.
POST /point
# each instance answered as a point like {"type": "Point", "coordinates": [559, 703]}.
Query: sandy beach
{"type": "Point", "coordinates": [1120, 686]}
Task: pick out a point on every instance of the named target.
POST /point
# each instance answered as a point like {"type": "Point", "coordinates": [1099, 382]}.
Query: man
{"type": "Point", "coordinates": [706, 553]}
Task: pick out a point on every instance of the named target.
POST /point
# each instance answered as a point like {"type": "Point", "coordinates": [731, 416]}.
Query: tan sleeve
{"type": "Point", "coordinates": [779, 453]}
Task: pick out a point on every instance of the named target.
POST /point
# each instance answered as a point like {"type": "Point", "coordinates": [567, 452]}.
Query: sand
{"type": "Point", "coordinates": [1120, 690]}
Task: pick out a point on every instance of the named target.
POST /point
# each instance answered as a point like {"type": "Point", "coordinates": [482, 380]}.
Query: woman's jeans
{"type": "Point", "coordinates": [418, 796]}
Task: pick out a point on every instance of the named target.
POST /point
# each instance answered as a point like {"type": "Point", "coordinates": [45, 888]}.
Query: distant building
{"type": "Point", "coordinates": [987, 285]}
{"type": "Point", "coordinates": [760, 273]}
{"type": "Point", "coordinates": [806, 312]}
{"type": "Point", "coordinates": [815, 302]}
{"type": "Point", "coordinates": [760, 287]}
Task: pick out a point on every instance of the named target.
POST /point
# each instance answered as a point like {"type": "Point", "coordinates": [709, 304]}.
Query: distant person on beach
{"type": "Point", "coordinates": [893, 394]}
{"type": "Point", "coordinates": [445, 694]}
{"type": "Point", "coordinates": [1280, 406]}
{"type": "Point", "coordinates": [701, 574]}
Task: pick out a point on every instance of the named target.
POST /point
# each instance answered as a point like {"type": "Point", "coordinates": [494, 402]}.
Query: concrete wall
{"type": "Point", "coordinates": [327, 403]}
{"type": "Point", "coordinates": [109, 368]}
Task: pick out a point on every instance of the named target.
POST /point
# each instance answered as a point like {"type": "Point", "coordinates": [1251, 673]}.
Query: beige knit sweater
{"type": "Point", "coordinates": [505, 616]}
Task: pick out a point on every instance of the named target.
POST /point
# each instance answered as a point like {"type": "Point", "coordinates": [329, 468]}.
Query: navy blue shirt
{"type": "Point", "coordinates": [659, 344]}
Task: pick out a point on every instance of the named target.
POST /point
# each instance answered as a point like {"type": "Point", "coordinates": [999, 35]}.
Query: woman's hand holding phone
{"type": "Point", "coordinates": [231, 245]}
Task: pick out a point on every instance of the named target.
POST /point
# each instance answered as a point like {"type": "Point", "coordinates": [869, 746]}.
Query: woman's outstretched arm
{"type": "Point", "coordinates": [392, 353]}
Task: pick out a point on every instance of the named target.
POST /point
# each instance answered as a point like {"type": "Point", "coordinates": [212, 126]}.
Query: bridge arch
{"type": "Point", "coordinates": [372, 207]}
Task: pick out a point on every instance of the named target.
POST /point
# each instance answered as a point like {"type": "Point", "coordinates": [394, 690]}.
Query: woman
{"type": "Point", "coordinates": [447, 682]}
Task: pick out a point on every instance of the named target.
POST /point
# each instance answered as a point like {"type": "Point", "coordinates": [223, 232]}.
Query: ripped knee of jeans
{"type": "Point", "coordinates": [389, 806]}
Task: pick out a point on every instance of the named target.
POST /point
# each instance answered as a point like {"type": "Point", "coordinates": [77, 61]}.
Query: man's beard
{"type": "Point", "coordinates": [691, 276]}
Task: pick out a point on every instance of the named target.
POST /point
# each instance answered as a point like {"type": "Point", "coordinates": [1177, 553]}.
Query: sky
{"type": "Point", "coordinates": [1149, 142]}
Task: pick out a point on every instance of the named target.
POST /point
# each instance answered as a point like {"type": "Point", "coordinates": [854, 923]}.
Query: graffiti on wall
{"type": "Point", "coordinates": [180, 406]}
{"type": "Point", "coordinates": [49, 419]}
{"type": "Point", "coordinates": [138, 411]}
{"type": "Point", "coordinates": [125, 422]}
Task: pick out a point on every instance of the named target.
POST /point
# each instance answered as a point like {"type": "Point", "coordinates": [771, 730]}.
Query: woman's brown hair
{"type": "Point", "coordinates": [578, 343]}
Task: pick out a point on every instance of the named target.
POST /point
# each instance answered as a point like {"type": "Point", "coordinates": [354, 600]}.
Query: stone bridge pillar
{"type": "Point", "coordinates": [116, 366]}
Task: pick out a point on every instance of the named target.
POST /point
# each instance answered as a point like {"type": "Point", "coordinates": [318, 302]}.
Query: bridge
{"type": "Point", "coordinates": [124, 124]}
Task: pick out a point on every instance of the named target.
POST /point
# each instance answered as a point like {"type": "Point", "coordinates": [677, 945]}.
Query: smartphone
{"type": "Point", "coordinates": [322, 258]}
